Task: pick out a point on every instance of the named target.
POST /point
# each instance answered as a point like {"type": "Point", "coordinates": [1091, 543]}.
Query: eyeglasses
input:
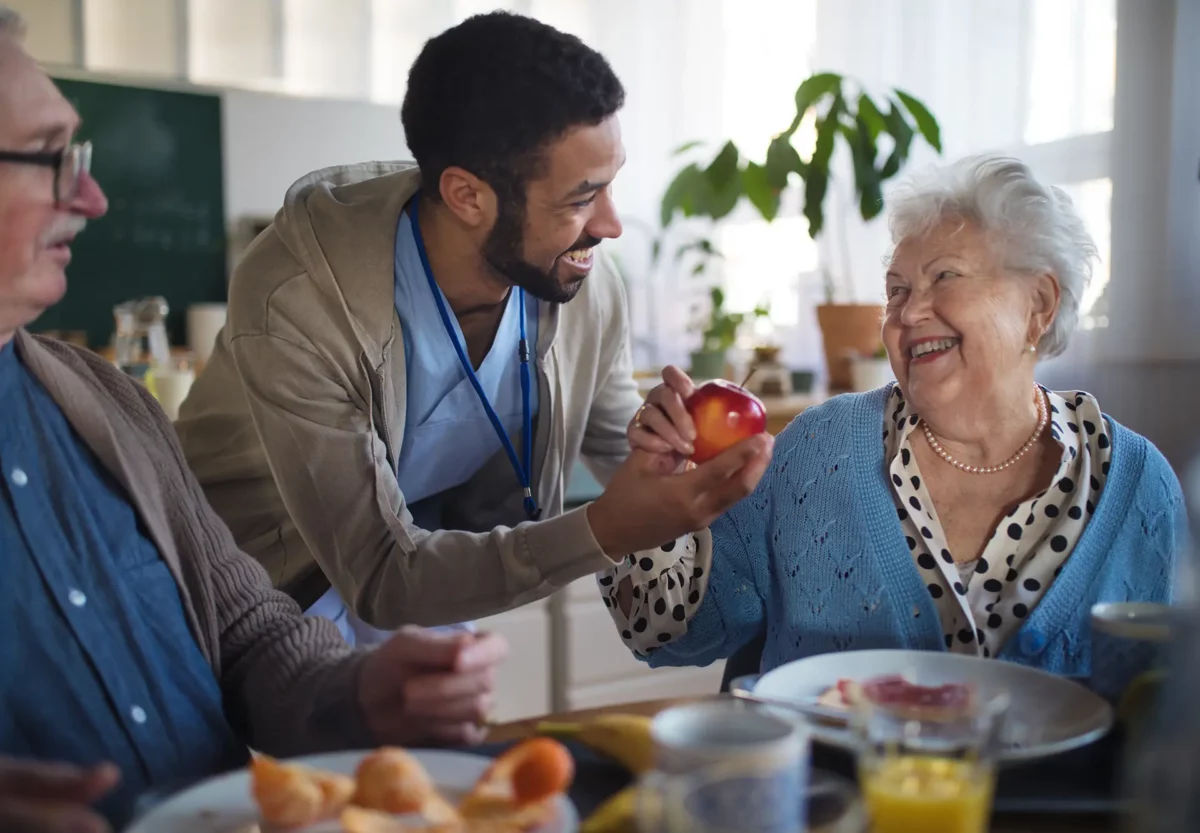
{"type": "Point", "coordinates": [69, 164]}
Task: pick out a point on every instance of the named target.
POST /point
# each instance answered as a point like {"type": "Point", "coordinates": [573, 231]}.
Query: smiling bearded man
{"type": "Point", "coordinates": [417, 355]}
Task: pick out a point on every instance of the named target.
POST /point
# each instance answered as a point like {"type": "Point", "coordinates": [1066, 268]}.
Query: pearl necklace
{"type": "Point", "coordinates": [1043, 417]}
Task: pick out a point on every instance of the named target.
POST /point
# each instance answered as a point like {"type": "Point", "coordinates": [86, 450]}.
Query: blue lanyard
{"type": "Point", "coordinates": [524, 473]}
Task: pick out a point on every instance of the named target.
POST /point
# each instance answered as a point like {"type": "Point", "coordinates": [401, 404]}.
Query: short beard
{"type": "Point", "coordinates": [502, 252]}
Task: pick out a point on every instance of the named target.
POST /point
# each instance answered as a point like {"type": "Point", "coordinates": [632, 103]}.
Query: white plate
{"type": "Point", "coordinates": [1047, 714]}
{"type": "Point", "coordinates": [224, 805]}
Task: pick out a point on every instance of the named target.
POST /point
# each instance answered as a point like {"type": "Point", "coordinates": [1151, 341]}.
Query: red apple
{"type": "Point", "coordinates": [724, 414]}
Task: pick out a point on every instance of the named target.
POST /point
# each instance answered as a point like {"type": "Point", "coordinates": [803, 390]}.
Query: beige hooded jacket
{"type": "Point", "coordinates": [294, 426]}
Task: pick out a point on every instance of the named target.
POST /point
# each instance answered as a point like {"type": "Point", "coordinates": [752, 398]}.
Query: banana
{"type": "Point", "coordinates": [622, 737]}
{"type": "Point", "coordinates": [617, 815]}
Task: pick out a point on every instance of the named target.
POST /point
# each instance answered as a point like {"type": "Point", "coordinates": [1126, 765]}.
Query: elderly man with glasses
{"type": "Point", "coordinates": [140, 647]}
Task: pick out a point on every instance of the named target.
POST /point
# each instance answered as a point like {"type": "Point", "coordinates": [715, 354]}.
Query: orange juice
{"type": "Point", "coordinates": [910, 793]}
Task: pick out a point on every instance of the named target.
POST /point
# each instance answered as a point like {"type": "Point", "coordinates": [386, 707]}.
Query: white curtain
{"type": "Point", "coordinates": [1032, 77]}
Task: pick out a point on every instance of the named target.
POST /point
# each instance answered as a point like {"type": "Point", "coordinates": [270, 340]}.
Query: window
{"type": "Point", "coordinates": [1072, 68]}
{"type": "Point", "coordinates": [1093, 199]}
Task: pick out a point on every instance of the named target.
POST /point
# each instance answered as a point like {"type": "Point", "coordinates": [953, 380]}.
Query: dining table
{"type": "Point", "coordinates": [1026, 821]}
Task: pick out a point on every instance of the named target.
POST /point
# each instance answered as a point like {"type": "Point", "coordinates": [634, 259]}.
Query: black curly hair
{"type": "Point", "coordinates": [490, 94]}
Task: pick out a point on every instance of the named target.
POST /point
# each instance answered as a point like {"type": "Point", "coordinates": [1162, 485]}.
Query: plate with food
{"type": "Point", "coordinates": [387, 790]}
{"type": "Point", "coordinates": [1046, 715]}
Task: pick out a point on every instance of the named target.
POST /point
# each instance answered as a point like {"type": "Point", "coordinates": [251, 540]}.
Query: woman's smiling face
{"type": "Point", "coordinates": [958, 324]}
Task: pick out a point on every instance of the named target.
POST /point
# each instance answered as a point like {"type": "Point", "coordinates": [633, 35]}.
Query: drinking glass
{"type": "Point", "coordinates": [732, 797]}
{"type": "Point", "coordinates": [929, 769]}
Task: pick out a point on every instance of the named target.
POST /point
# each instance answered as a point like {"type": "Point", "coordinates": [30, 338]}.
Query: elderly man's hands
{"type": "Point", "coordinates": [41, 797]}
{"type": "Point", "coordinates": [426, 687]}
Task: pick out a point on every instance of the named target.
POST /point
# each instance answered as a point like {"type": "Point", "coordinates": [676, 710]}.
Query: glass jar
{"type": "Point", "coordinates": [140, 339]}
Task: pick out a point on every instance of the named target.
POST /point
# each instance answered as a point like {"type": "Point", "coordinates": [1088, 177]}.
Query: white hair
{"type": "Point", "coordinates": [11, 23]}
{"type": "Point", "coordinates": [1034, 227]}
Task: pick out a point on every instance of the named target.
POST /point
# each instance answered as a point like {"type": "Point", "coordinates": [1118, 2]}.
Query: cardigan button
{"type": "Point", "coordinates": [1033, 642]}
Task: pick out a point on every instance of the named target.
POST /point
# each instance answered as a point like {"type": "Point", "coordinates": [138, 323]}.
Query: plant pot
{"type": "Point", "coordinates": [708, 364]}
{"type": "Point", "coordinates": [870, 373]}
{"type": "Point", "coordinates": [802, 381]}
{"type": "Point", "coordinates": [848, 330]}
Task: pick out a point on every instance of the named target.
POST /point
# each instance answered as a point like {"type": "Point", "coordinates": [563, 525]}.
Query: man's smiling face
{"type": "Point", "coordinates": [547, 249]}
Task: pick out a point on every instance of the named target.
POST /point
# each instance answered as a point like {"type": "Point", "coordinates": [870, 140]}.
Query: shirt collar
{"type": "Point", "coordinates": [10, 370]}
{"type": "Point", "coordinates": [903, 421]}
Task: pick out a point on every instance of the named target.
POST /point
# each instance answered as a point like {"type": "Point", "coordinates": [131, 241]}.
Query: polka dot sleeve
{"type": "Point", "coordinates": [668, 584]}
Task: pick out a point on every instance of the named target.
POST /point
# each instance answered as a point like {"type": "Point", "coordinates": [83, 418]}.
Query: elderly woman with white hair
{"type": "Point", "coordinates": [964, 508]}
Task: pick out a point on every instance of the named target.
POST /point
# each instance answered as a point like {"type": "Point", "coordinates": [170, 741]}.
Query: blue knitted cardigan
{"type": "Point", "coordinates": [816, 556]}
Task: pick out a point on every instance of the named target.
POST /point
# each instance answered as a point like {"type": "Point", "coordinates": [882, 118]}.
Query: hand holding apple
{"type": "Point", "coordinates": [692, 422]}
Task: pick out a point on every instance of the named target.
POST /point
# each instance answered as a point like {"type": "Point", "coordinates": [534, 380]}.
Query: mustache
{"type": "Point", "coordinates": [585, 242]}
{"type": "Point", "coordinates": [63, 229]}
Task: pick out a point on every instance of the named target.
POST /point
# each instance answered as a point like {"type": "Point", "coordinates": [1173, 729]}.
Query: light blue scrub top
{"type": "Point", "coordinates": [447, 434]}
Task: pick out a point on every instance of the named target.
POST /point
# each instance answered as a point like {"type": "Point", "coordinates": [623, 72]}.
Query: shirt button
{"type": "Point", "coordinates": [19, 477]}
{"type": "Point", "coordinates": [76, 597]}
{"type": "Point", "coordinates": [138, 714]}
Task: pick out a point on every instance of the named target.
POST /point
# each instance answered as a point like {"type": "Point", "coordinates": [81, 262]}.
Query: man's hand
{"type": "Point", "coordinates": [427, 687]}
{"type": "Point", "coordinates": [647, 502]}
{"type": "Point", "coordinates": [40, 797]}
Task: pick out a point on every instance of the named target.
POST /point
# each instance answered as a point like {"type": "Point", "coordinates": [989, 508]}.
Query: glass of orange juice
{"type": "Point", "coordinates": [932, 770]}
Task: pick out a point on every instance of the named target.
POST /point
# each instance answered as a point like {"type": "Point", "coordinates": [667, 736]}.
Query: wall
{"type": "Point", "coordinates": [142, 36]}
{"type": "Point", "coordinates": [272, 140]}
{"type": "Point", "coordinates": [1183, 232]}
{"type": "Point", "coordinates": [1144, 367]}
{"type": "Point", "coordinates": [52, 28]}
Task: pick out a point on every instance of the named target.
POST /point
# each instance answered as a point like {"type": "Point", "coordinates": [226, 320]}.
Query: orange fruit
{"type": "Point", "coordinates": [543, 768]}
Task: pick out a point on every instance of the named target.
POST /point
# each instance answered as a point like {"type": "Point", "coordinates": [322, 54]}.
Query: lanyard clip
{"type": "Point", "coordinates": [531, 508]}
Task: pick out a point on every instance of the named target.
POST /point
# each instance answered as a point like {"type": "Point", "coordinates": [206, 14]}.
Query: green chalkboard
{"type": "Point", "coordinates": [157, 155]}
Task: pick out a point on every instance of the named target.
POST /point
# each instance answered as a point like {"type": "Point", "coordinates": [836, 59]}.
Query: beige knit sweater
{"type": "Point", "coordinates": [289, 682]}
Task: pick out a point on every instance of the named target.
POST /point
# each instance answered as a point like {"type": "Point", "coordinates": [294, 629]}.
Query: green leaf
{"type": "Point", "coordinates": [870, 115]}
{"type": "Point", "coordinates": [680, 194]}
{"type": "Point", "coordinates": [926, 123]}
{"type": "Point", "coordinates": [902, 135]}
{"type": "Point", "coordinates": [686, 146]}
{"type": "Point", "coordinates": [724, 167]}
{"type": "Point", "coordinates": [782, 160]}
{"type": "Point", "coordinates": [718, 298]}
{"type": "Point", "coordinates": [815, 184]}
{"type": "Point", "coordinates": [724, 182]}
{"type": "Point", "coordinates": [759, 190]}
{"type": "Point", "coordinates": [699, 267]}
{"type": "Point", "coordinates": [826, 130]}
{"type": "Point", "coordinates": [811, 90]}
{"type": "Point", "coordinates": [703, 247]}
{"type": "Point", "coordinates": [725, 200]}
{"type": "Point", "coordinates": [866, 178]}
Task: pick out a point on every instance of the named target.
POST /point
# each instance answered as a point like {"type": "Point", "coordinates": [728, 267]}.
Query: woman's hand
{"type": "Point", "coordinates": [662, 425]}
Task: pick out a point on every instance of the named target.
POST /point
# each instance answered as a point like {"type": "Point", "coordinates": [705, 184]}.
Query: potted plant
{"type": "Point", "coordinates": [871, 371]}
{"type": "Point", "coordinates": [879, 140]}
{"type": "Point", "coordinates": [719, 328]}
{"type": "Point", "coordinates": [718, 332]}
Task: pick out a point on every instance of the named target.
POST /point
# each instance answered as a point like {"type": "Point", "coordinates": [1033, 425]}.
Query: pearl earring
{"type": "Point", "coordinates": [1031, 349]}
